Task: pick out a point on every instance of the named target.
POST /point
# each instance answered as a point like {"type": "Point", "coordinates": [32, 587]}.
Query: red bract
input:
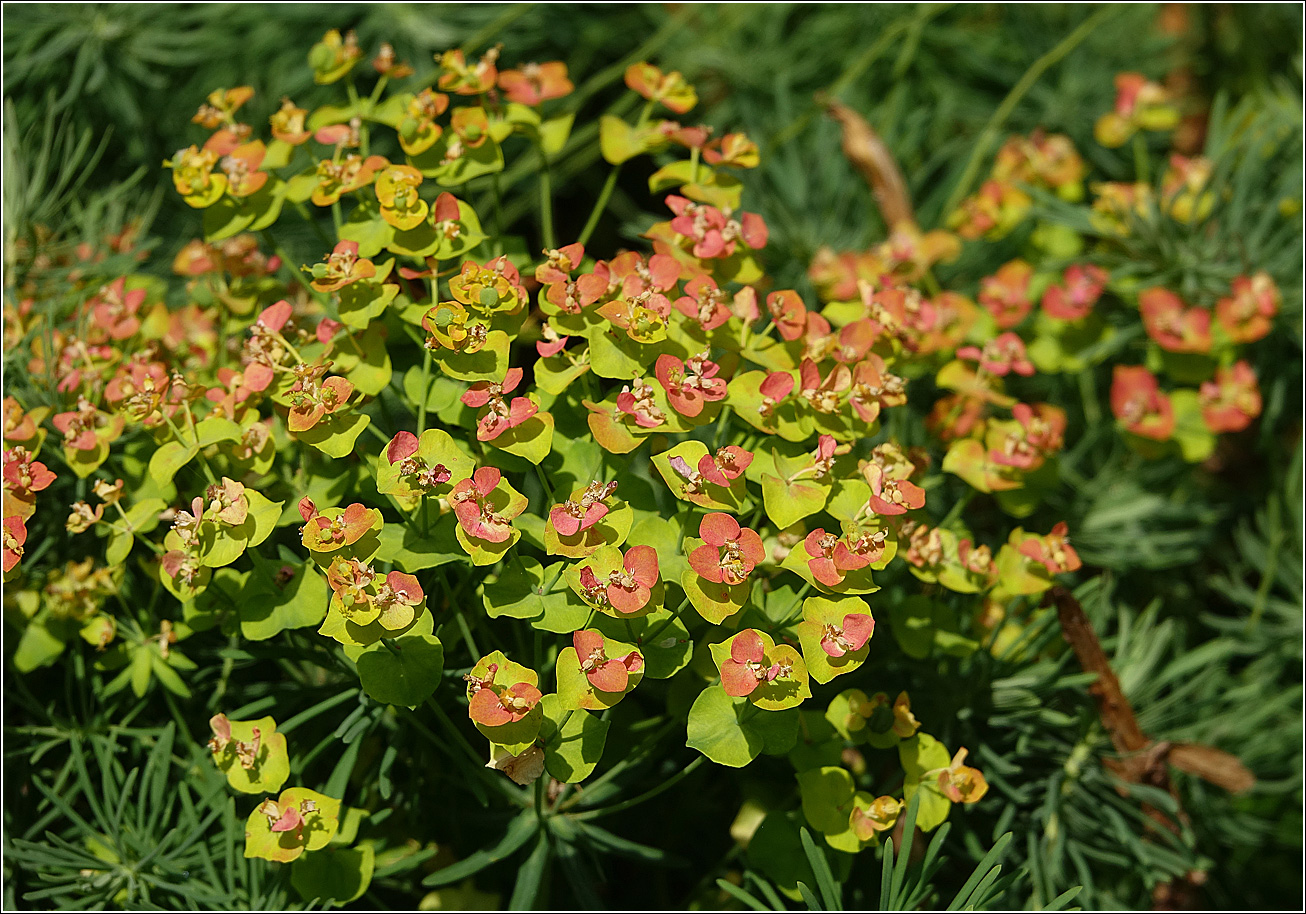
{"type": "Point", "coordinates": [535, 83]}
{"type": "Point", "coordinates": [726, 465]}
{"type": "Point", "coordinates": [1173, 326]}
{"type": "Point", "coordinates": [494, 706]}
{"type": "Point", "coordinates": [704, 302]}
{"type": "Point", "coordinates": [399, 588]}
{"type": "Point", "coordinates": [734, 149]}
{"type": "Point", "coordinates": [228, 502]}
{"type": "Point", "coordinates": [604, 673]}
{"type": "Point", "coordinates": [79, 427]}
{"type": "Point", "coordinates": [500, 415]}
{"type": "Point", "coordinates": [635, 276]}
{"type": "Point", "coordinates": [138, 388]}
{"type": "Point", "coordinates": [312, 399]}
{"type": "Point", "coordinates": [1248, 313]}
{"type": "Point", "coordinates": [1000, 356]}
{"type": "Point", "coordinates": [14, 536]}
{"type": "Point", "coordinates": [668, 88]}
{"type": "Point", "coordinates": [1232, 400]}
{"type": "Point", "coordinates": [1139, 404]}
{"type": "Point", "coordinates": [788, 313]}
{"type": "Point", "coordinates": [471, 505]}
{"type": "Point", "coordinates": [637, 401]}
{"type": "Point", "coordinates": [891, 496]}
{"type": "Point", "coordinates": [274, 317]}
{"type": "Point", "coordinates": [873, 388]}
{"type": "Point", "coordinates": [323, 534]}
{"type": "Point", "coordinates": [746, 669]}
{"type": "Point", "coordinates": [644, 318]}
{"type": "Point", "coordinates": [1040, 435]}
{"type": "Point", "coordinates": [729, 553]}
{"type": "Point", "coordinates": [1053, 551]}
{"type": "Point", "coordinates": [776, 387]}
{"type": "Point", "coordinates": [460, 78]}
{"type": "Point", "coordinates": [1006, 293]}
{"type": "Point", "coordinates": [713, 232]}
{"type": "Point", "coordinates": [1074, 300]}
{"type": "Point", "coordinates": [402, 451]}
{"type": "Point", "coordinates": [24, 476]}
{"type": "Point", "coordinates": [629, 590]}
{"type": "Point", "coordinates": [690, 384]}
{"type": "Point", "coordinates": [824, 396]}
{"type": "Point", "coordinates": [571, 517]}
{"type": "Point", "coordinates": [559, 263]}
{"type": "Point", "coordinates": [852, 636]}
{"type": "Point", "coordinates": [831, 559]}
{"type": "Point", "coordinates": [342, 267]}
{"type": "Point", "coordinates": [114, 309]}
{"type": "Point", "coordinates": [241, 166]}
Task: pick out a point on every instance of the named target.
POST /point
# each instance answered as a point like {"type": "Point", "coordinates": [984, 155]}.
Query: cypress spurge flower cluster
{"type": "Point", "coordinates": [651, 467]}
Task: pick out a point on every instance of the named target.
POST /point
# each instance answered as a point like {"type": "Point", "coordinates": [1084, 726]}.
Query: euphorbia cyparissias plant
{"type": "Point", "coordinates": [501, 445]}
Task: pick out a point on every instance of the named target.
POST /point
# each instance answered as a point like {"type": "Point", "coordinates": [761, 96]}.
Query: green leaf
{"type": "Point", "coordinates": [788, 503]}
{"type": "Point", "coordinates": [714, 602]}
{"type": "Point", "coordinates": [334, 874]}
{"type": "Point", "coordinates": [335, 434]}
{"type": "Point", "coordinates": [677, 174]}
{"type": "Point", "coordinates": [366, 228]}
{"type": "Point", "coordinates": [619, 141]}
{"type": "Point", "coordinates": [1196, 441]}
{"type": "Point", "coordinates": [531, 875]}
{"type": "Point", "coordinates": [37, 647]}
{"type": "Point", "coordinates": [919, 755]}
{"type": "Point", "coordinates": [403, 670]}
{"type": "Point", "coordinates": [573, 740]}
{"type": "Point", "coordinates": [827, 797]}
{"type": "Point", "coordinates": [517, 592]}
{"type": "Point", "coordinates": [442, 394]}
{"type": "Point", "coordinates": [169, 458]}
{"type": "Point", "coordinates": [731, 732]}
{"type": "Point", "coordinates": [912, 624]}
{"type": "Point", "coordinates": [408, 549]}
{"type": "Point", "coordinates": [488, 364]}
{"type": "Point", "coordinates": [663, 639]}
{"type": "Point", "coordinates": [364, 361]}
{"type": "Point", "coordinates": [532, 440]}
{"type": "Point", "coordinates": [266, 609]}
{"type": "Point", "coordinates": [520, 830]}
{"type": "Point", "coordinates": [271, 765]}
{"type": "Point", "coordinates": [360, 304]}
{"type": "Point", "coordinates": [554, 132]}
{"type": "Point", "coordinates": [485, 159]}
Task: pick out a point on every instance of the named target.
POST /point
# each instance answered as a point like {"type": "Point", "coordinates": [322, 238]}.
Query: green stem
{"type": "Point", "coordinates": [546, 201]}
{"type": "Point", "coordinates": [643, 797]}
{"type": "Point", "coordinates": [448, 725]}
{"type": "Point", "coordinates": [1088, 392]}
{"type": "Point", "coordinates": [1032, 75]}
{"type": "Point", "coordinates": [1142, 166]}
{"type": "Point", "coordinates": [498, 214]}
{"type": "Point", "coordinates": [426, 384]}
{"type": "Point", "coordinates": [600, 205]}
{"type": "Point", "coordinates": [544, 481]}
{"type": "Point", "coordinates": [798, 602]}
{"type": "Point", "coordinates": [955, 511]}
{"type": "Point", "coordinates": [649, 636]}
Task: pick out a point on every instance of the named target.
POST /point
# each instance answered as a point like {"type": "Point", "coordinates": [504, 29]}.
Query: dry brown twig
{"type": "Point", "coordinates": [867, 152]}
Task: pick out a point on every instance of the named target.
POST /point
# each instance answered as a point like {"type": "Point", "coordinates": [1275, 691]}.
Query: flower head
{"type": "Point", "coordinates": [729, 552]}
{"type": "Point", "coordinates": [606, 674]}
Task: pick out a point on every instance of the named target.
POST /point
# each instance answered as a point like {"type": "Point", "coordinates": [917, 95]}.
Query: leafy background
{"type": "Point", "coordinates": [1197, 593]}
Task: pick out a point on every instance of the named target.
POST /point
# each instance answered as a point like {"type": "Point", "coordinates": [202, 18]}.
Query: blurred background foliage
{"type": "Point", "coordinates": [1196, 588]}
